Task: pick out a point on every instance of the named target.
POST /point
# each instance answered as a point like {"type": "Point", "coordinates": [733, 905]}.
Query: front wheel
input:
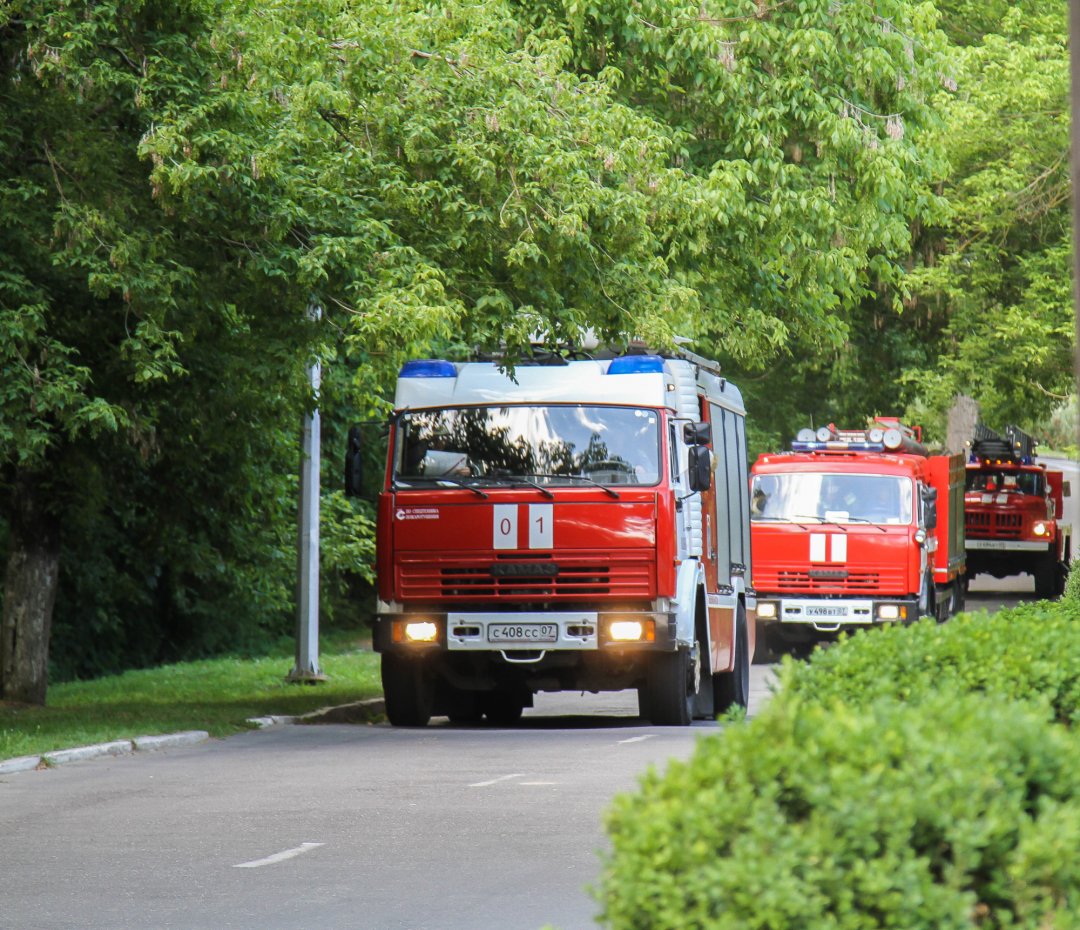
{"type": "Point", "coordinates": [1045, 577]}
{"type": "Point", "coordinates": [407, 689]}
{"type": "Point", "coordinates": [671, 685]}
{"type": "Point", "coordinates": [732, 689]}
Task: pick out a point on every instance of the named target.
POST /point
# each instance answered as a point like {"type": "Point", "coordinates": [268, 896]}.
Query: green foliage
{"type": "Point", "coordinates": [1028, 653]}
{"type": "Point", "coordinates": [1072, 585]}
{"type": "Point", "coordinates": [998, 272]}
{"type": "Point", "coordinates": [817, 815]}
{"type": "Point", "coordinates": [799, 126]}
{"type": "Point", "coordinates": [151, 377]}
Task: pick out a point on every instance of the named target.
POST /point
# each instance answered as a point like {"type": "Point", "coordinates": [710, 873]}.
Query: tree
{"type": "Point", "coordinates": [998, 272]}
{"type": "Point", "coordinates": [118, 320]}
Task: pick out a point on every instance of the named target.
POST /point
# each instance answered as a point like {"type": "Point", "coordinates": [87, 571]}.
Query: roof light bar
{"type": "Point", "coordinates": [428, 368]}
{"type": "Point", "coordinates": [636, 365]}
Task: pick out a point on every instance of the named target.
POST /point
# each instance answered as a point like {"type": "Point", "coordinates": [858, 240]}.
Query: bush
{"type": "Point", "coordinates": [815, 816]}
{"type": "Point", "coordinates": [1028, 653]}
{"type": "Point", "coordinates": [1072, 583]}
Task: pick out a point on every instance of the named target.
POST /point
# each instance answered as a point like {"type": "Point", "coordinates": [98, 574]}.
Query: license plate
{"type": "Point", "coordinates": [523, 633]}
{"type": "Point", "coordinates": [826, 611]}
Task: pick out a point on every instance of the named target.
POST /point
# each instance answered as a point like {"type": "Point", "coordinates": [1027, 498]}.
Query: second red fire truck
{"type": "Point", "coordinates": [853, 528]}
{"type": "Point", "coordinates": [579, 525]}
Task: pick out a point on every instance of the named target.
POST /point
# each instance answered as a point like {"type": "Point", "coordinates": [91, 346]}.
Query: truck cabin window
{"type": "Point", "coordinates": [997, 482]}
{"type": "Point", "coordinates": [831, 498]}
{"type": "Point", "coordinates": [553, 444]}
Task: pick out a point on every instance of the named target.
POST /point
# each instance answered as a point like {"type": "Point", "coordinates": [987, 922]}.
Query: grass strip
{"type": "Point", "coordinates": [217, 695]}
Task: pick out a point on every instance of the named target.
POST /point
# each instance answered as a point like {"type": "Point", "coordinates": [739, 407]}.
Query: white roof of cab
{"type": "Point", "coordinates": [577, 382]}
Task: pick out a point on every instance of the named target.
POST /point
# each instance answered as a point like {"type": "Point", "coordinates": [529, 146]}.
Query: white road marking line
{"type": "Point", "coordinates": [495, 781]}
{"type": "Point", "coordinates": [278, 857]}
{"type": "Point", "coordinates": [539, 783]}
{"type": "Point", "coordinates": [637, 739]}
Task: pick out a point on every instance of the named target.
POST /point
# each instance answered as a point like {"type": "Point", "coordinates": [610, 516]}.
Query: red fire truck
{"type": "Point", "coordinates": [853, 528]}
{"type": "Point", "coordinates": [573, 525]}
{"type": "Point", "coordinates": [1013, 512]}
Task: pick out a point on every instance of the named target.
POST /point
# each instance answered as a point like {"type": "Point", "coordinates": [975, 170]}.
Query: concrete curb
{"type": "Point", "coordinates": [120, 747]}
{"type": "Point", "coordinates": [372, 710]}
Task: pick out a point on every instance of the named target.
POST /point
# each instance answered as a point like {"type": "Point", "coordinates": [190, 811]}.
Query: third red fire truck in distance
{"type": "Point", "coordinates": [853, 528]}
{"type": "Point", "coordinates": [1013, 512]}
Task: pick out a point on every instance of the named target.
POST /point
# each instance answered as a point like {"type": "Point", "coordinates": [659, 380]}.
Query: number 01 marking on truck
{"type": "Point", "coordinates": [540, 518]}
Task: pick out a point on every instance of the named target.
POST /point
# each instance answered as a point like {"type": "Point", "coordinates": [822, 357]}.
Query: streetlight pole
{"type": "Point", "coordinates": [307, 668]}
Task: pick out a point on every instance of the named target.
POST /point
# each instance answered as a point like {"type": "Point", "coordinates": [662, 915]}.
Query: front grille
{"type": "Point", "coordinates": [991, 525]}
{"type": "Point", "coordinates": [857, 581]}
{"type": "Point", "coordinates": [571, 577]}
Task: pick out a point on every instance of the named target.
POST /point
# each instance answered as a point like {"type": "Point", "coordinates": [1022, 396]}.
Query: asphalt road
{"type": "Point", "coordinates": [343, 826]}
{"type": "Point", "coordinates": [334, 826]}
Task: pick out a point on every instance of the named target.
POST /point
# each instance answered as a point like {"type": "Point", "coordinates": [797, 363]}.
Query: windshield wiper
{"type": "Point", "coordinates": [595, 483]}
{"type": "Point", "coordinates": [444, 479]}
{"type": "Point", "coordinates": [533, 484]}
{"type": "Point", "coordinates": [602, 487]}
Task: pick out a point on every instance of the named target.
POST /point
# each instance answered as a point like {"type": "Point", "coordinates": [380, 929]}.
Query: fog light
{"type": "Point", "coordinates": [891, 612]}
{"type": "Point", "coordinates": [1039, 529]}
{"type": "Point", "coordinates": [421, 631]}
{"type": "Point", "coordinates": [766, 610]}
{"type": "Point", "coordinates": [626, 631]}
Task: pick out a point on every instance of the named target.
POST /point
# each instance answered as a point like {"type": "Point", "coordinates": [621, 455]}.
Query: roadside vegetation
{"type": "Point", "coordinates": [921, 776]}
{"type": "Point", "coordinates": [218, 695]}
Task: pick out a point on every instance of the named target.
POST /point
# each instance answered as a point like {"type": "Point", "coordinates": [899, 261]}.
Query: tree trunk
{"type": "Point", "coordinates": [29, 593]}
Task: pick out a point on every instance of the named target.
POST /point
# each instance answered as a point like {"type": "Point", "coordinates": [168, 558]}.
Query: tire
{"type": "Point", "coordinates": [671, 684]}
{"type": "Point", "coordinates": [929, 608]}
{"type": "Point", "coordinates": [502, 708]}
{"type": "Point", "coordinates": [959, 590]}
{"type": "Point", "coordinates": [1061, 577]}
{"type": "Point", "coordinates": [732, 689]}
{"type": "Point", "coordinates": [767, 649]}
{"type": "Point", "coordinates": [408, 691]}
{"type": "Point", "coordinates": [1045, 577]}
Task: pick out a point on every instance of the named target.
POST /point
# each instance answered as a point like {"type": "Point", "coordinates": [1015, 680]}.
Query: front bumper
{"type": "Point", "coordinates": [565, 631]}
{"type": "Point", "coordinates": [830, 615]}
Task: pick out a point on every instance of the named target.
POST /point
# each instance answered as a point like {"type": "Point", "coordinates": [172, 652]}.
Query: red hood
{"type": "Point", "coordinates": [830, 559]}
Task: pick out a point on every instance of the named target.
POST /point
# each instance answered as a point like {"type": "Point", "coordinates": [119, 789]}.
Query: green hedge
{"type": "Point", "coordinates": [957, 812]}
{"type": "Point", "coordinates": [1028, 653]}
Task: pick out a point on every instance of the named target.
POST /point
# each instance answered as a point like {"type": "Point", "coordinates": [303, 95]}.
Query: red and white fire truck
{"type": "Point", "coordinates": [853, 528]}
{"type": "Point", "coordinates": [1013, 510]}
{"type": "Point", "coordinates": [577, 525]}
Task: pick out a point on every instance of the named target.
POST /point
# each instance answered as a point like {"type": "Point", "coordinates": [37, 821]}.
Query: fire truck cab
{"type": "Point", "coordinates": [853, 528]}
{"type": "Point", "coordinates": [1013, 509]}
{"type": "Point", "coordinates": [570, 525]}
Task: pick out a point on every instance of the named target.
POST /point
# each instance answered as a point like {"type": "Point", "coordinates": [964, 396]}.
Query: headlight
{"type": "Point", "coordinates": [891, 612]}
{"type": "Point", "coordinates": [632, 631]}
{"type": "Point", "coordinates": [416, 631]}
{"type": "Point", "coordinates": [1039, 529]}
{"type": "Point", "coordinates": [766, 610]}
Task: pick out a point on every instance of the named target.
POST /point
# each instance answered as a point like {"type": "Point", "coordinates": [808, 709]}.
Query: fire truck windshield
{"type": "Point", "coordinates": [831, 498]}
{"type": "Point", "coordinates": [546, 444]}
{"type": "Point", "coordinates": [1018, 482]}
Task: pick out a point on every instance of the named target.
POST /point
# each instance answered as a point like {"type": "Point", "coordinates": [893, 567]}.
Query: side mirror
{"type": "Point", "coordinates": [697, 434]}
{"type": "Point", "coordinates": [354, 464]}
{"type": "Point", "coordinates": [700, 468]}
{"type": "Point", "coordinates": [929, 496]}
